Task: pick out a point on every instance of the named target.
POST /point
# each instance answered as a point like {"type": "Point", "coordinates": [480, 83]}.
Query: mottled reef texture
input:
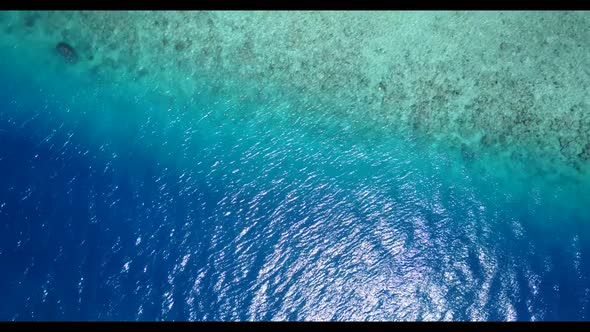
{"type": "Point", "coordinates": [514, 82]}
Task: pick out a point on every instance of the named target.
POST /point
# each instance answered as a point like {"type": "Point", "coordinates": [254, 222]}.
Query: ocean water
{"type": "Point", "coordinates": [139, 184]}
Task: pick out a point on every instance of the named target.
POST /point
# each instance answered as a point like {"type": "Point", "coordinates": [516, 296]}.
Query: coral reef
{"type": "Point", "coordinates": [512, 82]}
{"type": "Point", "coordinates": [67, 52]}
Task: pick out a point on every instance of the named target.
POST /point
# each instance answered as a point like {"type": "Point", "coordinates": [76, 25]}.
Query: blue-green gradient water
{"type": "Point", "coordinates": [128, 200]}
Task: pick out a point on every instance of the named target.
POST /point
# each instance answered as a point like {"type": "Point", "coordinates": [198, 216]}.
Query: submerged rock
{"type": "Point", "coordinates": [67, 52]}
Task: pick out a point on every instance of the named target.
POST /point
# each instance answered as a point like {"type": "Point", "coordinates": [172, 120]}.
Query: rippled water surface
{"type": "Point", "coordinates": [131, 201]}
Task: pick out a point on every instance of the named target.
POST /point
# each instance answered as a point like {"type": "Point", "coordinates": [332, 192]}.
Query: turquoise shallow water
{"type": "Point", "coordinates": [128, 198]}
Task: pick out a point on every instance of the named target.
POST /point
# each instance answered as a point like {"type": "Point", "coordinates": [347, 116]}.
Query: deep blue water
{"type": "Point", "coordinates": [118, 221]}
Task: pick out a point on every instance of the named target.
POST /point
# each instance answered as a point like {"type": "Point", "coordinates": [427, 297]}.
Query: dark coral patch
{"type": "Point", "coordinates": [179, 46]}
{"type": "Point", "coordinates": [67, 52]}
{"type": "Point", "coordinates": [30, 20]}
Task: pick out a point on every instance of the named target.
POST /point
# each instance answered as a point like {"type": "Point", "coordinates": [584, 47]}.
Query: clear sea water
{"type": "Point", "coordinates": [120, 202]}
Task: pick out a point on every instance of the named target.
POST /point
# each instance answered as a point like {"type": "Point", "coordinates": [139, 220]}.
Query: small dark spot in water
{"type": "Point", "coordinates": [109, 62]}
{"type": "Point", "coordinates": [179, 46]}
{"type": "Point", "coordinates": [382, 87]}
{"type": "Point", "coordinates": [487, 140]}
{"type": "Point", "coordinates": [142, 72]}
{"type": "Point", "coordinates": [467, 153]}
{"type": "Point", "coordinates": [95, 70]}
{"type": "Point", "coordinates": [67, 52]}
{"type": "Point", "coordinates": [30, 21]}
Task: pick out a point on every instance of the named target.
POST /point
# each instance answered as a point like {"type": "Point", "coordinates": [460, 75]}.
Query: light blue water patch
{"type": "Point", "coordinates": [120, 201]}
